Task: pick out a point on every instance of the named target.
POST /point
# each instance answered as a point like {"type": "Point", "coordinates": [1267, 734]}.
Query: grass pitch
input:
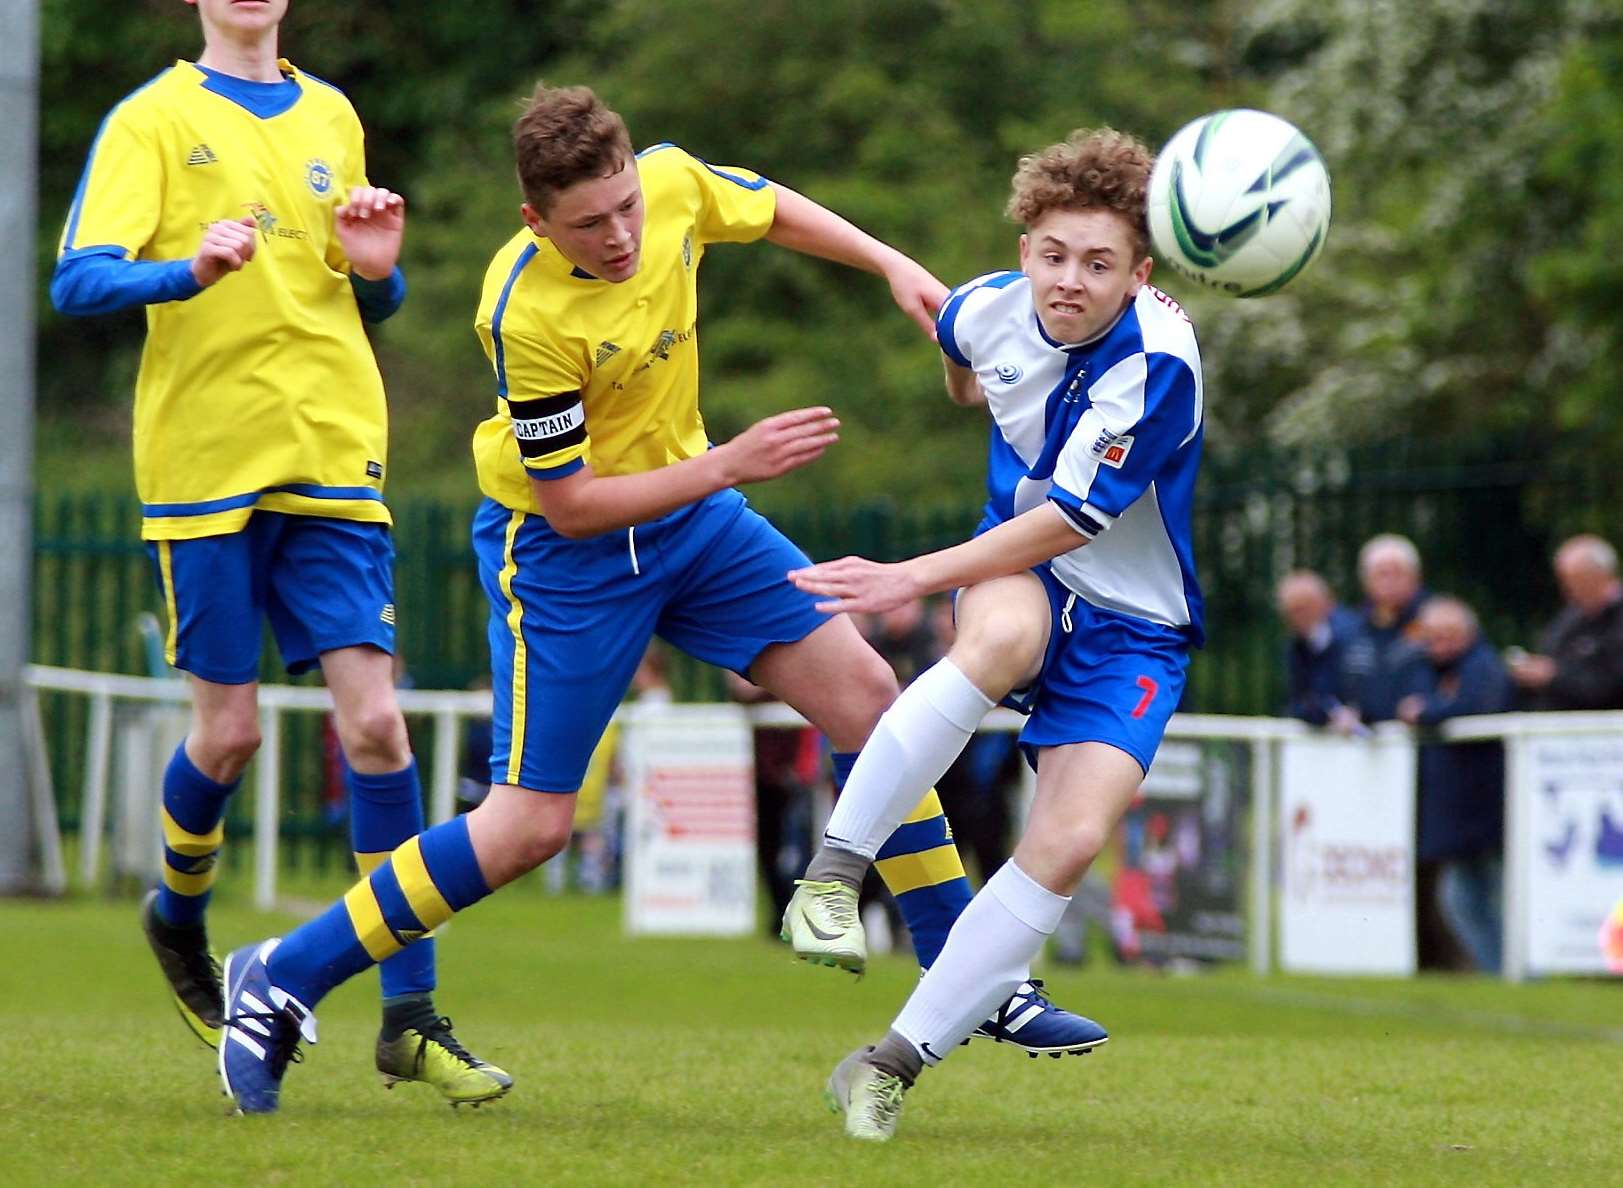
{"type": "Point", "coordinates": [702, 1062]}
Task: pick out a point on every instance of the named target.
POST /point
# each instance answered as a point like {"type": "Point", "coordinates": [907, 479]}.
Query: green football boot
{"type": "Point", "coordinates": [822, 924]}
{"type": "Point", "coordinates": [192, 971]}
{"type": "Point", "coordinates": [432, 1055]}
{"type": "Point", "coordinates": [869, 1097]}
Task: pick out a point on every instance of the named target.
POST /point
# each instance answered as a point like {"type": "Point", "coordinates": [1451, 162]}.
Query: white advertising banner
{"type": "Point", "coordinates": [1347, 809]}
{"type": "Point", "coordinates": [1571, 834]}
{"type": "Point", "coordinates": [690, 824]}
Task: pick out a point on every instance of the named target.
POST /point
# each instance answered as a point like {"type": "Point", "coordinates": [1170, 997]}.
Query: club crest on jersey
{"type": "Point", "coordinates": [318, 176]}
{"type": "Point", "coordinates": [1112, 448]}
{"type": "Point", "coordinates": [1007, 373]}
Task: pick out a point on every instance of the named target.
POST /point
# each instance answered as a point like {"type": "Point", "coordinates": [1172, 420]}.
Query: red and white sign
{"type": "Point", "coordinates": [1347, 863]}
{"type": "Point", "coordinates": [690, 823]}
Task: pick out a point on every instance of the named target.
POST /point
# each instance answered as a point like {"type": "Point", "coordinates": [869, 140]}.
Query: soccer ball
{"type": "Point", "coordinates": [1239, 202]}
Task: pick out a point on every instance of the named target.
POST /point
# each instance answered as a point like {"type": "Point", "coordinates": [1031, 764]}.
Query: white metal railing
{"type": "Point", "coordinates": [448, 709]}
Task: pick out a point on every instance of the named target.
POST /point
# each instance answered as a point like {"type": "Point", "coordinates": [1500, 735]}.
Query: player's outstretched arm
{"type": "Point", "coordinates": [585, 504]}
{"type": "Point", "coordinates": [371, 227]}
{"type": "Point", "coordinates": [804, 226]}
{"type": "Point", "coordinates": [857, 585]}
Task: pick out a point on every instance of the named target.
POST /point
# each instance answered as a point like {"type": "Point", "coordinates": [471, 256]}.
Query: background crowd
{"type": "Point", "coordinates": [1412, 655]}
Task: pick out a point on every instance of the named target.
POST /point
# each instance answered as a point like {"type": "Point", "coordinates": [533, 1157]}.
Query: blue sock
{"type": "Point", "coordinates": [424, 882]}
{"type": "Point", "coordinates": [193, 828]}
{"type": "Point", "coordinates": [921, 866]}
{"type": "Point", "coordinates": [384, 810]}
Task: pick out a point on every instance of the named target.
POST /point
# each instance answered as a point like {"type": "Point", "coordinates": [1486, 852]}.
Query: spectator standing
{"type": "Point", "coordinates": [1320, 630]}
{"type": "Point", "coordinates": [1383, 661]}
{"type": "Point", "coordinates": [1462, 803]}
{"type": "Point", "coordinates": [1579, 663]}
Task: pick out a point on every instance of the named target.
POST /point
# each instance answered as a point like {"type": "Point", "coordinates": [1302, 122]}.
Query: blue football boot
{"type": "Point", "coordinates": [263, 1026]}
{"type": "Point", "coordinates": [1032, 1023]}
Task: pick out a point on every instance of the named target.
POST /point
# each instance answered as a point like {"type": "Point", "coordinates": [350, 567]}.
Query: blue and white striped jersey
{"type": "Point", "coordinates": [1109, 431]}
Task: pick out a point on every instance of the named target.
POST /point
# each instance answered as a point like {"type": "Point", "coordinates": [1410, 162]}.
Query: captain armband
{"type": "Point", "coordinates": [548, 424]}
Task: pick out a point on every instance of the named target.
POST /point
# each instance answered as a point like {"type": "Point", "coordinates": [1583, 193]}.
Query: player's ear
{"type": "Point", "coordinates": [532, 218]}
{"type": "Point", "coordinates": [1025, 251]}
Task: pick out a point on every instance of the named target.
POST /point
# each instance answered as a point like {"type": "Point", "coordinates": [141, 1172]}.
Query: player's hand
{"type": "Point", "coordinates": [227, 245]}
{"type": "Point", "coordinates": [371, 226]}
{"type": "Point", "coordinates": [855, 585]}
{"type": "Point", "coordinates": [917, 293]}
{"type": "Point", "coordinates": [780, 444]}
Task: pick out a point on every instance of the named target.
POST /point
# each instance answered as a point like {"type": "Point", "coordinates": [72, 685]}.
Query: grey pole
{"type": "Point", "coordinates": [19, 116]}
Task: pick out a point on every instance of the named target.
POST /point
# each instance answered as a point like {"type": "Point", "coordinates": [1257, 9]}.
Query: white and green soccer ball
{"type": "Point", "coordinates": [1239, 202]}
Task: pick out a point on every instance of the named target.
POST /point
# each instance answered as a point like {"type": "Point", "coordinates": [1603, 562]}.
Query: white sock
{"type": "Point", "coordinates": [987, 955]}
{"type": "Point", "coordinates": [916, 740]}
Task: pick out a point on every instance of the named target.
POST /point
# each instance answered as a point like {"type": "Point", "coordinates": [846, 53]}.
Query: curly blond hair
{"type": "Point", "coordinates": [1092, 167]}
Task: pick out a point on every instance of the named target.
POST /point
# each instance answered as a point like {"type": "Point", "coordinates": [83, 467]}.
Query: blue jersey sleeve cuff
{"type": "Point", "coordinates": [557, 472]}
{"type": "Point", "coordinates": [379, 299]}
{"type": "Point", "coordinates": [99, 280]}
{"type": "Point", "coordinates": [1084, 517]}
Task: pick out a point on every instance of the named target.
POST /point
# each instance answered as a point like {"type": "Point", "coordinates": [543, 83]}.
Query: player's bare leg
{"type": "Point", "coordinates": [1082, 791]}
{"type": "Point", "coordinates": [913, 744]}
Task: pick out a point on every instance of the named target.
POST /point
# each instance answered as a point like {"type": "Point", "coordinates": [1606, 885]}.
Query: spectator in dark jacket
{"type": "Point", "coordinates": [1319, 630]}
{"type": "Point", "coordinates": [1579, 663]}
{"type": "Point", "coordinates": [1462, 801]}
{"type": "Point", "coordinates": [1383, 662]}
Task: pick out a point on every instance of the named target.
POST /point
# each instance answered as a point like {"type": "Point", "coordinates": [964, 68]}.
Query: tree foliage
{"type": "Point", "coordinates": [1475, 148]}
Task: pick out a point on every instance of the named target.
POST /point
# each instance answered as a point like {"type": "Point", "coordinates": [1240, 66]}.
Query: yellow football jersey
{"type": "Point", "coordinates": [608, 374]}
{"type": "Point", "coordinates": [262, 390]}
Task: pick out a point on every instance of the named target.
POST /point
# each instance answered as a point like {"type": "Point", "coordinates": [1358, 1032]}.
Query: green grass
{"type": "Point", "coordinates": [642, 1061]}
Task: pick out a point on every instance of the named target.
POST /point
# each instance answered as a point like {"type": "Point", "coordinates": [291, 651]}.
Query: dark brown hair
{"type": "Point", "coordinates": [1092, 167]}
{"type": "Point", "coordinates": [566, 135]}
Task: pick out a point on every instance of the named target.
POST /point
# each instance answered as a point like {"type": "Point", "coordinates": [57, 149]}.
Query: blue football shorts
{"type": "Point", "coordinates": [322, 583]}
{"type": "Point", "coordinates": [1105, 677]}
{"type": "Point", "coordinates": [571, 619]}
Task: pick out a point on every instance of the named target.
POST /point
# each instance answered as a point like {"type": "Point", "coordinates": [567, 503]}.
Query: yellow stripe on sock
{"type": "Point", "coordinates": [167, 569]}
{"type": "Point", "coordinates": [909, 872]}
{"type": "Point", "coordinates": [427, 904]}
{"type": "Point", "coordinates": [929, 807]}
{"type": "Point", "coordinates": [367, 863]}
{"type": "Point", "coordinates": [366, 917]}
{"type": "Point", "coordinates": [182, 883]}
{"type": "Point", "coordinates": [184, 841]}
{"type": "Point", "coordinates": [515, 624]}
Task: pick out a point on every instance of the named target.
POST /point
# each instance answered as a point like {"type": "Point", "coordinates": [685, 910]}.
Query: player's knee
{"type": "Point", "coordinates": [1083, 842]}
{"type": "Point", "coordinates": [378, 735]}
{"type": "Point", "coordinates": [998, 651]}
{"type": "Point", "coordinates": [222, 747]}
{"type": "Point", "coordinates": [542, 838]}
{"type": "Point", "coordinates": [872, 687]}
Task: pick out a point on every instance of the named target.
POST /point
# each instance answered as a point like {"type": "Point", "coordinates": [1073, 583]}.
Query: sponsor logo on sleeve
{"type": "Point", "coordinates": [1111, 449]}
{"type": "Point", "coordinates": [1008, 373]}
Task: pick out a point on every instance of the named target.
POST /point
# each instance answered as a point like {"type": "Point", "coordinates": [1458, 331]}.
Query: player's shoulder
{"type": "Point", "coordinates": [976, 303]}
{"type": "Point", "coordinates": [664, 165]}
{"type": "Point", "coordinates": [324, 97]}
{"type": "Point", "coordinates": [1164, 329]}
{"type": "Point", "coordinates": [161, 94]}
